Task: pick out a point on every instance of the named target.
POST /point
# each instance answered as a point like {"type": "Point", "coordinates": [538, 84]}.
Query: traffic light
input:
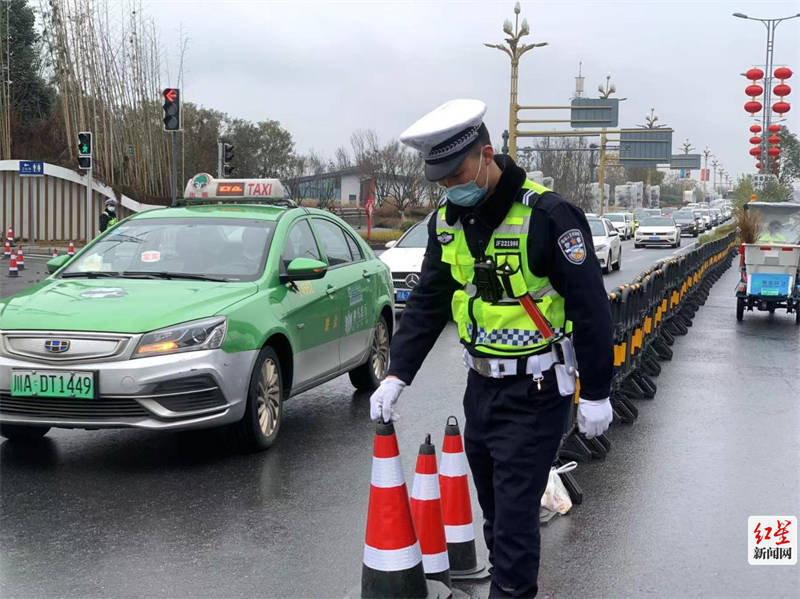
{"type": "Point", "coordinates": [227, 157]}
{"type": "Point", "coordinates": [85, 150]}
{"type": "Point", "coordinates": [172, 109]}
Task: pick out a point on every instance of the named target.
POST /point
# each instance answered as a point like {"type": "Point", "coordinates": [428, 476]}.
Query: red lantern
{"type": "Point", "coordinates": [758, 165]}
{"type": "Point", "coordinates": [774, 128]}
{"type": "Point", "coordinates": [780, 73]}
{"type": "Point", "coordinates": [774, 152]}
{"type": "Point", "coordinates": [774, 140]}
{"type": "Point", "coordinates": [755, 128]}
{"type": "Point", "coordinates": [755, 140]}
{"type": "Point", "coordinates": [753, 107]}
{"type": "Point", "coordinates": [780, 90]}
{"type": "Point", "coordinates": [754, 90]}
{"type": "Point", "coordinates": [755, 74]}
{"type": "Point", "coordinates": [755, 151]}
{"type": "Point", "coordinates": [780, 107]}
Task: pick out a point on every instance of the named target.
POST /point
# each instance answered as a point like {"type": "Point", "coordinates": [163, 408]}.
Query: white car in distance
{"type": "Point", "coordinates": [623, 225]}
{"type": "Point", "coordinates": [404, 259]}
{"type": "Point", "coordinates": [607, 244]}
{"type": "Point", "coordinates": [657, 230]}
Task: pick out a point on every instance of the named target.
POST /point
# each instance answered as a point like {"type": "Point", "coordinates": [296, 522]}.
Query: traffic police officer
{"type": "Point", "coordinates": [499, 242]}
{"type": "Point", "coordinates": [108, 217]}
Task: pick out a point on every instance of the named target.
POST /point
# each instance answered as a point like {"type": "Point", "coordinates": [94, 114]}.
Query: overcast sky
{"type": "Point", "coordinates": [325, 69]}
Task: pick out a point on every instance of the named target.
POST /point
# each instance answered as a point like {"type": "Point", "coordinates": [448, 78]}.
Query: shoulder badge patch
{"type": "Point", "coordinates": [573, 246]}
{"type": "Point", "coordinates": [445, 238]}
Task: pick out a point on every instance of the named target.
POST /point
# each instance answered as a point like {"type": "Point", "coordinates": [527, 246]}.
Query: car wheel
{"type": "Point", "coordinates": [22, 432]}
{"type": "Point", "coordinates": [739, 308]}
{"type": "Point", "coordinates": [695, 234]}
{"type": "Point", "coordinates": [618, 265]}
{"type": "Point", "coordinates": [607, 267]}
{"type": "Point", "coordinates": [637, 245]}
{"type": "Point", "coordinates": [258, 428]}
{"type": "Point", "coordinates": [369, 375]}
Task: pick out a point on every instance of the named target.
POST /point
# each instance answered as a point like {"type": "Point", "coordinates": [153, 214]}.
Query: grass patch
{"type": "Point", "coordinates": [717, 234]}
{"type": "Point", "coordinates": [382, 236]}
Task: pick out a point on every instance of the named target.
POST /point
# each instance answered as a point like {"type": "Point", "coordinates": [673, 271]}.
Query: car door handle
{"type": "Point", "coordinates": [330, 290]}
{"type": "Point", "coordinates": [366, 274]}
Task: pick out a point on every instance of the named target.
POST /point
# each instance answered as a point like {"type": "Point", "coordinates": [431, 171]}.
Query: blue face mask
{"type": "Point", "coordinates": [468, 194]}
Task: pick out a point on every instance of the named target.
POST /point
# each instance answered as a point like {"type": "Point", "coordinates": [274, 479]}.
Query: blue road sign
{"type": "Point", "coordinates": [594, 112]}
{"type": "Point", "coordinates": [31, 168]}
{"type": "Point", "coordinates": [645, 147]}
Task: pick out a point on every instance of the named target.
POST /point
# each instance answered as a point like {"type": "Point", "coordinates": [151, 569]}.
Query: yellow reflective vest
{"type": "Point", "coordinates": [503, 328]}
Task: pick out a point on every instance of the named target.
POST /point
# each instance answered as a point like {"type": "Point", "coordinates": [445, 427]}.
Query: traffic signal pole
{"type": "Point", "coordinates": [89, 215]}
{"type": "Point", "coordinates": [174, 168]}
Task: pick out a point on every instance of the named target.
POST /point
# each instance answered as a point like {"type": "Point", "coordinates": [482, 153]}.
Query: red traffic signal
{"type": "Point", "coordinates": [172, 109]}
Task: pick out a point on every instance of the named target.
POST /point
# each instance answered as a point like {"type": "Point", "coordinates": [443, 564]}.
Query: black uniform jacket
{"type": "Point", "coordinates": [580, 282]}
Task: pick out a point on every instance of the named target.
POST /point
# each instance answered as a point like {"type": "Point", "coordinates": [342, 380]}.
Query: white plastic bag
{"type": "Point", "coordinates": [556, 497]}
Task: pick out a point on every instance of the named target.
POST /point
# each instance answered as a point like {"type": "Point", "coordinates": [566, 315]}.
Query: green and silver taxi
{"type": "Point", "coordinates": [206, 314]}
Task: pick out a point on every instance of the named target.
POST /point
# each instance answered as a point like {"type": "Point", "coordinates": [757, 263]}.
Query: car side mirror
{"type": "Point", "coordinates": [304, 269]}
{"type": "Point", "coordinates": [613, 234]}
{"type": "Point", "coordinates": [390, 244]}
{"type": "Point", "coordinates": [56, 263]}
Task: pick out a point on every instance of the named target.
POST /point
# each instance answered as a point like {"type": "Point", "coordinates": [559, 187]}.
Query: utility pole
{"type": "Point", "coordinates": [766, 115]}
{"type": "Point", "coordinates": [515, 50]}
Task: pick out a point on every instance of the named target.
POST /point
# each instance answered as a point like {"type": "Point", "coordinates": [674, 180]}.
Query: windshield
{"type": "Point", "coordinates": [598, 230]}
{"type": "Point", "coordinates": [657, 221]}
{"type": "Point", "coordinates": [615, 218]}
{"type": "Point", "coordinates": [218, 248]}
{"type": "Point", "coordinates": [653, 211]}
{"type": "Point", "coordinates": [683, 215]}
{"type": "Point", "coordinates": [779, 222]}
{"type": "Point", "coordinates": [415, 237]}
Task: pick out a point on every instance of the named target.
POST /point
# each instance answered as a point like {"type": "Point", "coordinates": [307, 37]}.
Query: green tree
{"type": "Point", "coordinates": [743, 191]}
{"type": "Point", "coordinates": [28, 99]}
{"type": "Point", "coordinates": [790, 157]}
{"type": "Point", "coordinates": [201, 129]}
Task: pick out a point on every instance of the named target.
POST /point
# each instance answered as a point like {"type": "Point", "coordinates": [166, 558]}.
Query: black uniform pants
{"type": "Point", "coordinates": [511, 435]}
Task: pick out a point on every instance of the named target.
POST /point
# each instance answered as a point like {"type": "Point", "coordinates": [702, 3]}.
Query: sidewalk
{"type": "Point", "coordinates": [666, 513]}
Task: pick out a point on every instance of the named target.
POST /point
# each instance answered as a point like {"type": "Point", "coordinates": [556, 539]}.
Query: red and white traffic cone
{"type": "Point", "coordinates": [457, 508]}
{"type": "Point", "coordinates": [20, 259]}
{"type": "Point", "coordinates": [10, 236]}
{"type": "Point", "coordinates": [55, 253]}
{"type": "Point", "coordinates": [392, 564]}
{"type": "Point", "coordinates": [426, 508]}
{"type": "Point", "coordinates": [71, 249]}
{"type": "Point", "coordinates": [7, 251]}
{"type": "Point", "coordinates": [13, 271]}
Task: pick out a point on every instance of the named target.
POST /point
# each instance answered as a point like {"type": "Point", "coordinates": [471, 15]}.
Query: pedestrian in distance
{"type": "Point", "coordinates": [108, 217]}
{"type": "Point", "coordinates": [513, 264]}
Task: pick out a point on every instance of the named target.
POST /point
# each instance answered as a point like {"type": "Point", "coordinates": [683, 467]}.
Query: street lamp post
{"type": "Point", "coordinates": [515, 50]}
{"type": "Point", "coordinates": [714, 165]}
{"type": "Point", "coordinates": [706, 153]}
{"type": "Point", "coordinates": [771, 25]}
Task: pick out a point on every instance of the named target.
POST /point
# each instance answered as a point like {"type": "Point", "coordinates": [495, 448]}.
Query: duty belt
{"type": "Point", "coordinates": [498, 368]}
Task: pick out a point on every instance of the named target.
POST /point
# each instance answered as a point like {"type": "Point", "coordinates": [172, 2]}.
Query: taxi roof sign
{"type": "Point", "coordinates": [204, 188]}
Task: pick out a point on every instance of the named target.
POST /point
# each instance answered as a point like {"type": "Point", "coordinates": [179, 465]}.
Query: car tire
{"type": "Point", "coordinates": [22, 432]}
{"type": "Point", "coordinates": [369, 375]}
{"type": "Point", "coordinates": [259, 427]}
{"type": "Point", "coordinates": [695, 234]}
{"type": "Point", "coordinates": [739, 308]}
{"type": "Point", "coordinates": [607, 267]}
{"type": "Point", "coordinates": [637, 245]}
{"type": "Point", "coordinates": [619, 260]}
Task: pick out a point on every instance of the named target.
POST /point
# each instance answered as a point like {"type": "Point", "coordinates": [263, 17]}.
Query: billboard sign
{"type": "Point", "coordinates": [645, 147]}
{"type": "Point", "coordinates": [594, 112]}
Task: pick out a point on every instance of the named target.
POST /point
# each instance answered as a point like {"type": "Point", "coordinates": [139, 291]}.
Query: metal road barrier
{"type": "Point", "coordinates": [647, 314]}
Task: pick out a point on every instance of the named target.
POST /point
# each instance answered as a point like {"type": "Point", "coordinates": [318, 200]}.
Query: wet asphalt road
{"type": "Point", "coordinates": [133, 514]}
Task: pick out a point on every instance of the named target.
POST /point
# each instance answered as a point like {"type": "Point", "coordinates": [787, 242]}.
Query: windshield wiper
{"type": "Point", "coordinates": [171, 275]}
{"type": "Point", "coordinates": [89, 274]}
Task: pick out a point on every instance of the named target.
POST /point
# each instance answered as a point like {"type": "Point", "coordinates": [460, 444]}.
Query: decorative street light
{"type": "Point", "coordinates": [515, 50]}
{"type": "Point", "coordinates": [771, 25]}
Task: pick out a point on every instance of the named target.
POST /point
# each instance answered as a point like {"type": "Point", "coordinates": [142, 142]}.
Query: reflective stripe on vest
{"type": "Point", "coordinates": [503, 328]}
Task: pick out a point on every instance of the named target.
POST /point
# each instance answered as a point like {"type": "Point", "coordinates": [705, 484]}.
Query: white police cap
{"type": "Point", "coordinates": [444, 135]}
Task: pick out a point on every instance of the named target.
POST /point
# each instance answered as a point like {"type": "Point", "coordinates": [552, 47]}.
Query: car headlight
{"type": "Point", "coordinates": [207, 333]}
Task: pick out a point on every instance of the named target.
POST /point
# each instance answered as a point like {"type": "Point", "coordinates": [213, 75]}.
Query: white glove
{"type": "Point", "coordinates": [382, 401]}
{"type": "Point", "coordinates": [594, 416]}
